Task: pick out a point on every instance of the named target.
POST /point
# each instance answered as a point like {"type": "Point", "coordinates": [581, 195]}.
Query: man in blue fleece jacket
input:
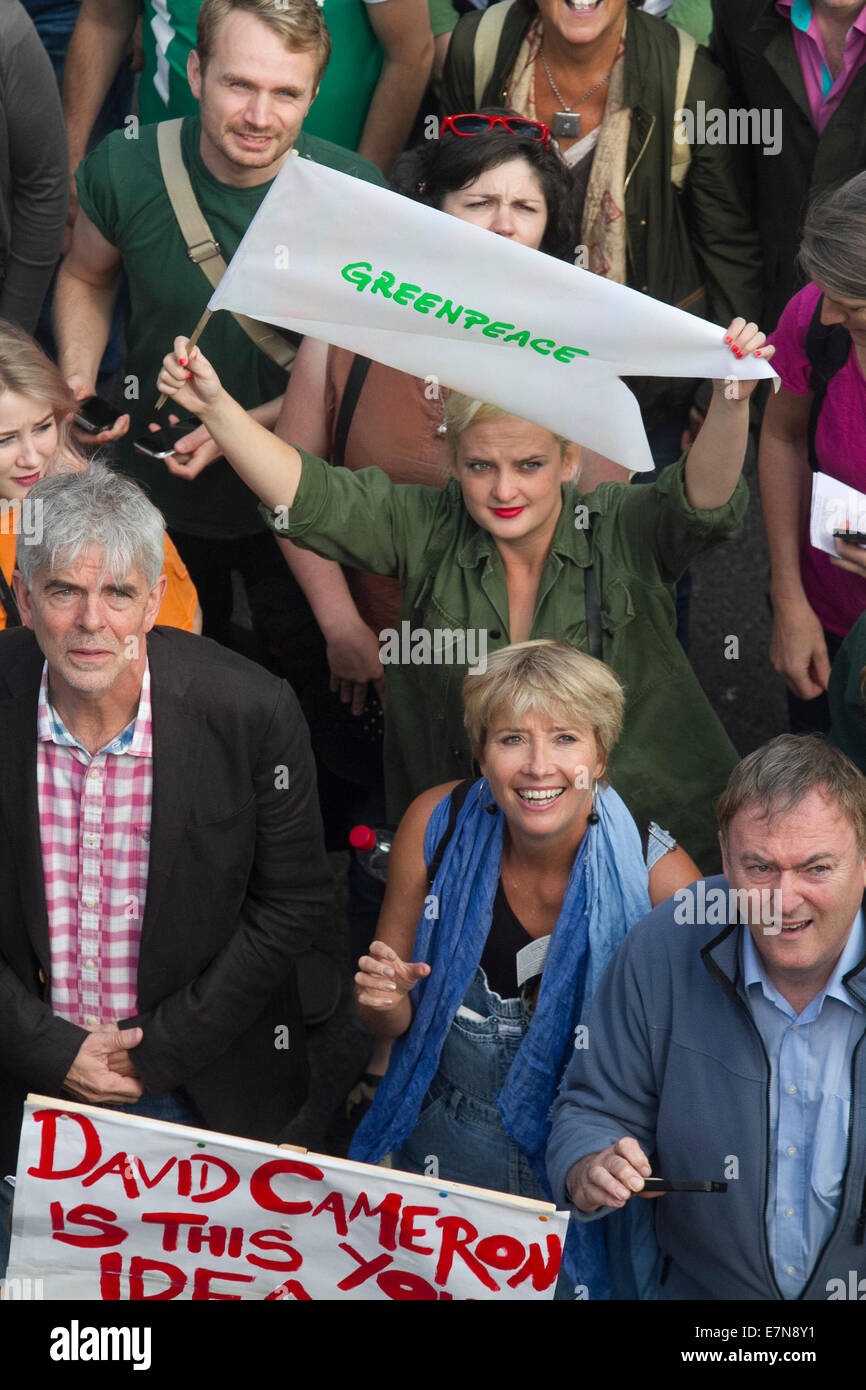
{"type": "Point", "coordinates": [726, 1042]}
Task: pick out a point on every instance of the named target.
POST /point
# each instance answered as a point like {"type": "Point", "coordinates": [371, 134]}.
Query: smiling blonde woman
{"type": "Point", "coordinates": [506, 898]}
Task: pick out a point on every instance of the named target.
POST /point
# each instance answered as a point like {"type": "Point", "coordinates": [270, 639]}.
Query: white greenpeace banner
{"type": "Point", "coordinates": [366, 269]}
{"type": "Point", "coordinates": [114, 1208]}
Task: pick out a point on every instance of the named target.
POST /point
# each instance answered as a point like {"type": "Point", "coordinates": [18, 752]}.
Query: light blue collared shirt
{"type": "Point", "coordinates": [136, 738]}
{"type": "Point", "coordinates": [810, 1101]}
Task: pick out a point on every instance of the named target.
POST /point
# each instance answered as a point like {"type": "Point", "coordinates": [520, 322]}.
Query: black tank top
{"type": "Point", "coordinates": [508, 935]}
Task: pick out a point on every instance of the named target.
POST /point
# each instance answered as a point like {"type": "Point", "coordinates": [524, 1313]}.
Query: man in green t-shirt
{"type": "Point", "coordinates": [255, 73]}
{"type": "Point", "coordinates": [369, 97]}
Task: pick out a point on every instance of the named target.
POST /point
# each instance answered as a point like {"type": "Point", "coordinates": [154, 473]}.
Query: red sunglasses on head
{"type": "Point", "coordinates": [473, 123]}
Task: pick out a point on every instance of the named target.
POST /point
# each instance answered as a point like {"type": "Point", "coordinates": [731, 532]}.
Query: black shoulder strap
{"type": "Point", "coordinates": [457, 798]}
{"type": "Point", "coordinates": [593, 606]}
{"type": "Point", "coordinates": [7, 598]}
{"type": "Point", "coordinates": [354, 386]}
{"type": "Point", "coordinates": [827, 348]}
{"type": "Point", "coordinates": [593, 614]}
{"type": "Point", "coordinates": [643, 829]}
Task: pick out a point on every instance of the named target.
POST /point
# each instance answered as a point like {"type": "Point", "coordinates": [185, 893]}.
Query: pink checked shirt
{"type": "Point", "coordinates": [94, 820]}
{"type": "Point", "coordinates": [824, 94]}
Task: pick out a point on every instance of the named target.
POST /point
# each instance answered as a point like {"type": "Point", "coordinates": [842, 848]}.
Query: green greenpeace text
{"type": "Point", "coordinates": [361, 275]}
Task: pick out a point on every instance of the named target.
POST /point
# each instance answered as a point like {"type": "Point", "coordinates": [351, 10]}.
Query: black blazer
{"type": "Point", "coordinates": [237, 882]}
{"type": "Point", "coordinates": [755, 46]}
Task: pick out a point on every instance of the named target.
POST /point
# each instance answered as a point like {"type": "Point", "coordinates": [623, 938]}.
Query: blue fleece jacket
{"type": "Point", "coordinates": [675, 1059]}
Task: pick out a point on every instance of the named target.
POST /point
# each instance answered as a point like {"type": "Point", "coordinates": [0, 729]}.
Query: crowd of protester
{"type": "Point", "coordinates": [545, 1005]}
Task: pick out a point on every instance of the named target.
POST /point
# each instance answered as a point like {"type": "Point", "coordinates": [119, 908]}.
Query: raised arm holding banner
{"type": "Point", "coordinates": [438, 298]}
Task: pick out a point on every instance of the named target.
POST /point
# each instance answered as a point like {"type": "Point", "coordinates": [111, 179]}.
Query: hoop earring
{"type": "Point", "coordinates": [592, 818]}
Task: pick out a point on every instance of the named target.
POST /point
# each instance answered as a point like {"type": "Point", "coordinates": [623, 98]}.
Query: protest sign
{"type": "Point", "coordinates": [366, 269]}
{"type": "Point", "coordinates": [113, 1207]}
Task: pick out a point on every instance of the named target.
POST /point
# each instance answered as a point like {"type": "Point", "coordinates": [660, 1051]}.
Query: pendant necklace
{"type": "Point", "coordinates": [566, 123]}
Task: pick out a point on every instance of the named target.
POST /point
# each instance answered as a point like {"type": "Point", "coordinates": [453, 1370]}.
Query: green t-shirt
{"type": "Point", "coordinates": [167, 38]}
{"type": "Point", "coordinates": [345, 93]}
{"type": "Point", "coordinates": [120, 188]}
{"type": "Point", "coordinates": [346, 90]}
{"type": "Point", "coordinates": [695, 16]}
{"type": "Point", "coordinates": [443, 17]}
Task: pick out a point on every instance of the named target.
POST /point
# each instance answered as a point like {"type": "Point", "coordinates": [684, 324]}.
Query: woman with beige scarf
{"type": "Point", "coordinates": [651, 211]}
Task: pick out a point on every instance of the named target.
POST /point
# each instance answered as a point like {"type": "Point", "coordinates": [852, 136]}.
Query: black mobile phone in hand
{"type": "Point", "coordinates": [852, 537]}
{"type": "Point", "coordinates": [95, 414]}
{"type": "Point", "coordinates": [158, 444]}
{"type": "Point", "coordinates": [671, 1185]}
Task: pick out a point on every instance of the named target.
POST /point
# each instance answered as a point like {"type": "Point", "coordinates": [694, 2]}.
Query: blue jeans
{"type": "Point", "coordinates": [460, 1136]}
{"type": "Point", "coordinates": [54, 24]}
{"type": "Point", "coordinates": [6, 1195]}
{"type": "Point", "coordinates": [175, 1106]}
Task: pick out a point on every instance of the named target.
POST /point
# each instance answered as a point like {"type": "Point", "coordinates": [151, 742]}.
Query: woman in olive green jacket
{"type": "Point", "coordinates": [503, 555]}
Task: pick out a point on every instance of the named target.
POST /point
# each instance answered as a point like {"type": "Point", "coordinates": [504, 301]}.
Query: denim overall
{"type": "Point", "coordinates": [459, 1135]}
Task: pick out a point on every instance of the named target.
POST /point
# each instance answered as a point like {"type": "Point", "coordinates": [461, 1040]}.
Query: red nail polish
{"type": "Point", "coordinates": [757, 352]}
{"type": "Point", "coordinates": [728, 338]}
{"type": "Point", "coordinates": [182, 361]}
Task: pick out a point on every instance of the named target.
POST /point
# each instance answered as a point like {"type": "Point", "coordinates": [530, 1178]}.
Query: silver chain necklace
{"type": "Point", "coordinates": [567, 122]}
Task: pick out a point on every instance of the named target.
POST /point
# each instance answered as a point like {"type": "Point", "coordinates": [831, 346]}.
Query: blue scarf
{"type": "Point", "coordinates": [606, 894]}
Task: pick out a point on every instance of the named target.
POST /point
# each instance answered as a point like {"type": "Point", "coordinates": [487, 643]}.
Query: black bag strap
{"type": "Point", "coordinates": [456, 799]}
{"type": "Point", "coordinates": [593, 606]}
{"type": "Point", "coordinates": [354, 386]}
{"type": "Point", "coordinates": [643, 829]}
{"type": "Point", "coordinates": [593, 614]}
{"type": "Point", "coordinates": [827, 348]}
{"type": "Point", "coordinates": [7, 598]}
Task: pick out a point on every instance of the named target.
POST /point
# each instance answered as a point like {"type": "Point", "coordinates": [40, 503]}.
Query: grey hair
{"type": "Point", "coordinates": [95, 507]}
{"type": "Point", "coordinates": [777, 776]}
{"type": "Point", "coordinates": [834, 235]}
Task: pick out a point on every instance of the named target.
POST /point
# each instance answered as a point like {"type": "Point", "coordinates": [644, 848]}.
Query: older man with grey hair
{"type": "Point", "coordinates": [161, 854]}
{"type": "Point", "coordinates": [725, 1047]}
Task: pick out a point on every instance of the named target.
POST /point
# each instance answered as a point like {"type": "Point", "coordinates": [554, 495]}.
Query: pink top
{"type": "Point", "coordinates": [94, 821]}
{"type": "Point", "coordinates": [837, 597]}
{"type": "Point", "coordinates": [824, 94]}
